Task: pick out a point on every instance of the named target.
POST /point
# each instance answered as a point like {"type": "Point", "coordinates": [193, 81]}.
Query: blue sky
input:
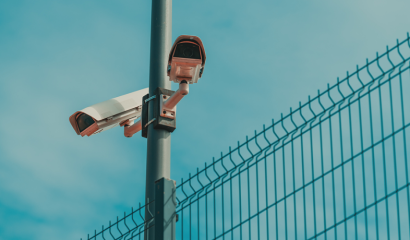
{"type": "Point", "coordinates": [57, 57]}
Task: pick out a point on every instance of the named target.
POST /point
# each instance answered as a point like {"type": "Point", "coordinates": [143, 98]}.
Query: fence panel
{"type": "Point", "coordinates": [131, 226]}
{"type": "Point", "coordinates": [334, 168]}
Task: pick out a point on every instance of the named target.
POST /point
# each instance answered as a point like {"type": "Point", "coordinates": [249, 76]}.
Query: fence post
{"type": "Point", "coordinates": [165, 205]}
{"type": "Point", "coordinates": [158, 140]}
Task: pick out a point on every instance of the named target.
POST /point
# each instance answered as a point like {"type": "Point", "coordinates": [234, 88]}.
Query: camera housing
{"type": "Point", "coordinates": [186, 59]}
{"type": "Point", "coordinates": [119, 111]}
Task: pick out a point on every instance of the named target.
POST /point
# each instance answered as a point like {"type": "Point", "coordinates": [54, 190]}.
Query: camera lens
{"type": "Point", "coordinates": [84, 121]}
{"type": "Point", "coordinates": [187, 50]}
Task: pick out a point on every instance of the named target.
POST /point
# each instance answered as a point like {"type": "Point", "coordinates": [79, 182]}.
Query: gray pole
{"type": "Point", "coordinates": [158, 140]}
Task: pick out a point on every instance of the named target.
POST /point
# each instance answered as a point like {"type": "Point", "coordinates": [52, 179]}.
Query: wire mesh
{"type": "Point", "coordinates": [336, 167]}
{"type": "Point", "coordinates": [131, 226]}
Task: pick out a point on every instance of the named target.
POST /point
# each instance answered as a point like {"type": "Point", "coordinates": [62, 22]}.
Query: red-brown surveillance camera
{"type": "Point", "coordinates": [186, 59]}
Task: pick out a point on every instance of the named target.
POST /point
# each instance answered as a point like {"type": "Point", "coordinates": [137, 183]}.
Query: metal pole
{"type": "Point", "coordinates": [158, 140]}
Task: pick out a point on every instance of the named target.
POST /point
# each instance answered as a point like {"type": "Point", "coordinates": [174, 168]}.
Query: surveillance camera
{"type": "Point", "coordinates": [119, 111]}
{"type": "Point", "coordinates": [186, 64]}
{"type": "Point", "coordinates": [186, 59]}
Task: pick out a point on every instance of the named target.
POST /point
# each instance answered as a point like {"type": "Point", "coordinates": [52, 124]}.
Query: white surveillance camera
{"type": "Point", "coordinates": [119, 111]}
{"type": "Point", "coordinates": [186, 60]}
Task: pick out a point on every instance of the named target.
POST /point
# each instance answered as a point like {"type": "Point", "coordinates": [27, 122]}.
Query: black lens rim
{"type": "Point", "coordinates": [198, 51]}
{"type": "Point", "coordinates": [87, 123]}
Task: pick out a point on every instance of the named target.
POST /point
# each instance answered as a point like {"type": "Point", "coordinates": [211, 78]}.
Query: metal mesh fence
{"type": "Point", "coordinates": [131, 226]}
{"type": "Point", "coordinates": [336, 167]}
